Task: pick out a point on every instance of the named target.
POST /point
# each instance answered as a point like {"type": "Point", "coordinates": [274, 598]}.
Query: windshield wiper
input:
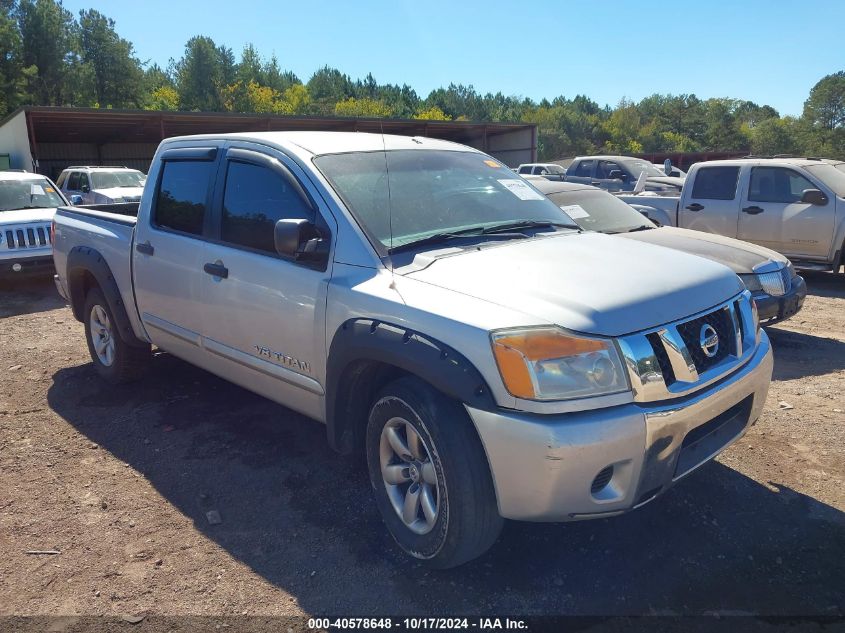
{"type": "Point", "coordinates": [506, 229]}
{"type": "Point", "coordinates": [642, 227]}
{"type": "Point", "coordinates": [528, 224]}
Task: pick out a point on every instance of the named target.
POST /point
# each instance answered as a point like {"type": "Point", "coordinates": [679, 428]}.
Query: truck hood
{"type": "Point", "coordinates": [127, 193]}
{"type": "Point", "coordinates": [592, 283]}
{"type": "Point", "coordinates": [739, 256]}
{"type": "Point", "coordinates": [20, 216]}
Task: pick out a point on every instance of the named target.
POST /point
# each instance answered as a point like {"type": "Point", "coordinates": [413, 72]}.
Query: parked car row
{"type": "Point", "coordinates": [29, 201]}
{"type": "Point", "coordinates": [441, 315]}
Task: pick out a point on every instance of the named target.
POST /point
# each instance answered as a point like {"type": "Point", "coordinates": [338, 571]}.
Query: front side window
{"type": "Point", "coordinates": [776, 184]}
{"type": "Point", "coordinates": [255, 199]}
{"type": "Point", "coordinates": [525, 169]}
{"type": "Point", "coordinates": [83, 181]}
{"type": "Point", "coordinates": [403, 196]}
{"type": "Point", "coordinates": [715, 183]}
{"type": "Point", "coordinates": [604, 169]}
{"type": "Point", "coordinates": [584, 169]}
{"type": "Point", "coordinates": [637, 167]}
{"type": "Point", "coordinates": [29, 193]}
{"type": "Point", "coordinates": [182, 196]}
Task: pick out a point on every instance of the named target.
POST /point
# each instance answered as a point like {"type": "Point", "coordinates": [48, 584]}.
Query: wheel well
{"type": "Point", "coordinates": [358, 385]}
{"type": "Point", "coordinates": [80, 282]}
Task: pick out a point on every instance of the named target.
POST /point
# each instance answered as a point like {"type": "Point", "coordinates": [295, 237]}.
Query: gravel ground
{"type": "Point", "coordinates": [120, 481]}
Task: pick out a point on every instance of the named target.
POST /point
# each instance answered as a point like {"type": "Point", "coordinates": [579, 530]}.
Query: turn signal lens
{"type": "Point", "coordinates": [549, 364]}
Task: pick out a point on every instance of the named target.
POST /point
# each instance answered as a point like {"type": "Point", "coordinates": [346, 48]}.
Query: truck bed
{"type": "Point", "coordinates": [108, 229]}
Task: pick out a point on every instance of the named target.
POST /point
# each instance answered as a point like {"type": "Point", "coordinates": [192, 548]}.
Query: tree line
{"type": "Point", "coordinates": [48, 56]}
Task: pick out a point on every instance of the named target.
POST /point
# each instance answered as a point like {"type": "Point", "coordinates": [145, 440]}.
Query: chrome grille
{"type": "Point", "coordinates": [775, 283]}
{"type": "Point", "coordinates": [25, 237]}
{"type": "Point", "coordinates": [669, 361]}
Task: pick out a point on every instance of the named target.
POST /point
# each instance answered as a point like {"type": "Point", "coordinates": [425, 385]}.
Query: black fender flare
{"type": "Point", "coordinates": [402, 348]}
{"type": "Point", "coordinates": [83, 259]}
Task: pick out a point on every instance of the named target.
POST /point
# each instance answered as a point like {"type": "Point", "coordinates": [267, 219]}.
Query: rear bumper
{"type": "Point", "coordinates": [779, 308]}
{"type": "Point", "coordinates": [26, 266]}
{"type": "Point", "coordinates": [546, 468]}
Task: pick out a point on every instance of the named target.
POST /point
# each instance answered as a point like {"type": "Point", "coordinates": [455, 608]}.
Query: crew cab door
{"type": "Point", "coordinates": [265, 314]}
{"type": "Point", "coordinates": [709, 203]}
{"type": "Point", "coordinates": [773, 215]}
{"type": "Point", "coordinates": [169, 248]}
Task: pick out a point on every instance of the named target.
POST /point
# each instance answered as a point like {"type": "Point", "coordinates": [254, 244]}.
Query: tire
{"type": "Point", "coordinates": [116, 361]}
{"type": "Point", "coordinates": [447, 466]}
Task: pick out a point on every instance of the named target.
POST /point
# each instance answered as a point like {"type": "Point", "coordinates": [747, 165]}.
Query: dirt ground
{"type": "Point", "coordinates": [120, 481]}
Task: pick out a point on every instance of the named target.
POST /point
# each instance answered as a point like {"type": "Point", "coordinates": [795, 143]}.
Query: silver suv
{"type": "Point", "coordinates": [101, 185]}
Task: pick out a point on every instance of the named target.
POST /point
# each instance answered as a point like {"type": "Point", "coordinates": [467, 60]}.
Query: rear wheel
{"type": "Point", "coordinates": [430, 475]}
{"type": "Point", "coordinates": [114, 359]}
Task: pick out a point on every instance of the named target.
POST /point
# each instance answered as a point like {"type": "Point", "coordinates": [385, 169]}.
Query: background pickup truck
{"type": "Point", "coordinates": [620, 173]}
{"type": "Point", "coordinates": [436, 312]}
{"type": "Point", "coordinates": [795, 206]}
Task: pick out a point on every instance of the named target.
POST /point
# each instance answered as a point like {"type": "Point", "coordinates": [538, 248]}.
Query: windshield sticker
{"type": "Point", "coordinates": [492, 163]}
{"type": "Point", "coordinates": [574, 211]}
{"type": "Point", "coordinates": [520, 189]}
{"type": "Point", "coordinates": [36, 190]}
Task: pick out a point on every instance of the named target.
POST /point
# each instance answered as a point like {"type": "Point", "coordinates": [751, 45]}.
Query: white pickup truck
{"type": "Point", "coordinates": [795, 206]}
{"type": "Point", "coordinates": [436, 312]}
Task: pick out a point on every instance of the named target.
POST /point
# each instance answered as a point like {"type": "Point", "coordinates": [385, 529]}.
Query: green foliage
{"type": "Point", "coordinates": [432, 114]}
{"type": "Point", "coordinates": [825, 106]}
{"type": "Point", "coordinates": [364, 107]}
{"type": "Point", "coordinates": [163, 98]}
{"type": "Point", "coordinates": [116, 71]}
{"type": "Point", "coordinates": [202, 73]}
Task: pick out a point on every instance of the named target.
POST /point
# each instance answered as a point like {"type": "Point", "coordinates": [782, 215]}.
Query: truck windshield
{"type": "Point", "coordinates": [638, 166]}
{"type": "Point", "coordinates": [117, 179]}
{"type": "Point", "coordinates": [599, 211]}
{"type": "Point", "coordinates": [30, 193]}
{"type": "Point", "coordinates": [829, 175]}
{"type": "Point", "coordinates": [405, 196]}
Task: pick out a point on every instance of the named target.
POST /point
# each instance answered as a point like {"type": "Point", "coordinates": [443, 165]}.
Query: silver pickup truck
{"type": "Point", "coordinates": [436, 312]}
{"type": "Point", "coordinates": [795, 206]}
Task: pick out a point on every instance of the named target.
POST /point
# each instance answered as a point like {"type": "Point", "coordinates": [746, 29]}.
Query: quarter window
{"type": "Point", "coordinates": [776, 184]}
{"type": "Point", "coordinates": [254, 200]}
{"type": "Point", "coordinates": [715, 183]}
{"type": "Point", "coordinates": [181, 197]}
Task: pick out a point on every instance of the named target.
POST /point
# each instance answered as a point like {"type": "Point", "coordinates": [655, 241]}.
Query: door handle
{"type": "Point", "coordinates": [694, 207]}
{"type": "Point", "coordinates": [216, 270]}
{"type": "Point", "coordinates": [145, 248]}
{"type": "Point", "coordinates": [752, 210]}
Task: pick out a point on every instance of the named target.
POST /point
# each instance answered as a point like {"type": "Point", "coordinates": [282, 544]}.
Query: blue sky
{"type": "Point", "coordinates": [770, 52]}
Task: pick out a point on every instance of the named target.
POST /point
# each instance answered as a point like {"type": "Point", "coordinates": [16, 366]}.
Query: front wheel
{"type": "Point", "coordinates": [114, 359]}
{"type": "Point", "coordinates": [430, 475]}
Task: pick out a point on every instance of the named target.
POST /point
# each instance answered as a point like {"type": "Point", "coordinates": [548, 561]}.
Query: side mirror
{"type": "Point", "coordinates": [617, 174]}
{"type": "Point", "coordinates": [298, 240]}
{"type": "Point", "coordinates": [86, 189]}
{"type": "Point", "coordinates": [814, 196]}
{"type": "Point", "coordinates": [76, 199]}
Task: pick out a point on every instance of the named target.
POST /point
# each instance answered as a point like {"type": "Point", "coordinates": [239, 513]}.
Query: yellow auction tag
{"type": "Point", "coordinates": [491, 163]}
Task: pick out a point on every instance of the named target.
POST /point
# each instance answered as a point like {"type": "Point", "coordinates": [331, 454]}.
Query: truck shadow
{"type": "Point", "coordinates": [824, 284]}
{"type": "Point", "coordinates": [304, 519]}
{"type": "Point", "coordinates": [27, 296]}
{"type": "Point", "coordinates": [798, 354]}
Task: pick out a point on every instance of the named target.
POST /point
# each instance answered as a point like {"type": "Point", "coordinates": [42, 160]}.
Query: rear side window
{"type": "Point", "coordinates": [525, 170]}
{"type": "Point", "coordinates": [254, 200]}
{"type": "Point", "coordinates": [775, 184]}
{"type": "Point", "coordinates": [182, 196]}
{"type": "Point", "coordinates": [73, 181]}
{"type": "Point", "coordinates": [715, 183]}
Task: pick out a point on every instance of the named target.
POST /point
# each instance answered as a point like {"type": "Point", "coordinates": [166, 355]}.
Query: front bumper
{"type": "Point", "coordinates": [547, 468]}
{"type": "Point", "coordinates": [26, 266]}
{"type": "Point", "coordinates": [773, 309]}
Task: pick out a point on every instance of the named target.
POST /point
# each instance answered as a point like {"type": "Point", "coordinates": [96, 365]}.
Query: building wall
{"type": "Point", "coordinates": [14, 141]}
{"type": "Point", "coordinates": [513, 148]}
{"type": "Point", "coordinates": [54, 157]}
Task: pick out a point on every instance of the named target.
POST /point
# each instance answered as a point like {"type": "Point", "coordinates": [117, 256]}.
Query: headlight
{"type": "Point", "coordinates": [546, 363]}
